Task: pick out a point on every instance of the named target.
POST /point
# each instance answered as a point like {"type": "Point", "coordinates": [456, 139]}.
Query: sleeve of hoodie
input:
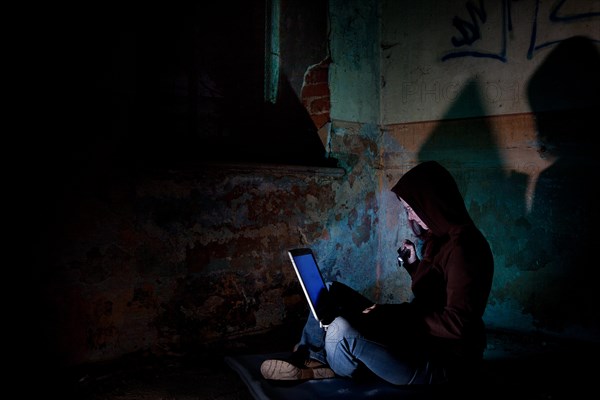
{"type": "Point", "coordinates": [411, 268]}
{"type": "Point", "coordinates": [468, 282]}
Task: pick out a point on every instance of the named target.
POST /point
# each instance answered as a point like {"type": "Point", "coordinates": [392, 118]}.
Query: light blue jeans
{"type": "Point", "coordinates": [348, 353]}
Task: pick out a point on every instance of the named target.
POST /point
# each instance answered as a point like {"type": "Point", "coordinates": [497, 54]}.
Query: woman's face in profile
{"type": "Point", "coordinates": [416, 224]}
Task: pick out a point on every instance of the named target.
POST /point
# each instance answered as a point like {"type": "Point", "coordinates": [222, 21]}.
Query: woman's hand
{"type": "Point", "coordinates": [410, 248]}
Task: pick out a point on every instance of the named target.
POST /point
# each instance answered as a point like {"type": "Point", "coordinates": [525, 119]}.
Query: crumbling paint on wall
{"type": "Point", "coordinates": [540, 283]}
{"type": "Point", "coordinates": [485, 124]}
{"type": "Point", "coordinates": [180, 259]}
{"type": "Point", "coordinates": [172, 259]}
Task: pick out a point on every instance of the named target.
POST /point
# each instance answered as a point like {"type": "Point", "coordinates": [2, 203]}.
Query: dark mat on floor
{"type": "Point", "coordinates": [248, 368]}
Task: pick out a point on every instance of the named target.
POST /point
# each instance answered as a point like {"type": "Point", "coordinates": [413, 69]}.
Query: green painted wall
{"type": "Point", "coordinates": [355, 50]}
{"type": "Point", "coordinates": [477, 107]}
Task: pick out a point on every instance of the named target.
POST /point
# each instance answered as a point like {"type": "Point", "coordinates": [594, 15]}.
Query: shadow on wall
{"type": "Point", "coordinates": [563, 94]}
{"type": "Point", "coordinates": [201, 85]}
{"type": "Point", "coordinates": [468, 148]}
{"type": "Point", "coordinates": [544, 258]}
{"type": "Point", "coordinates": [163, 87]}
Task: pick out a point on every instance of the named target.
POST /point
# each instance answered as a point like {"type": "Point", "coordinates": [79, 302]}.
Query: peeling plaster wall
{"type": "Point", "coordinates": [175, 260]}
{"type": "Point", "coordinates": [363, 265]}
{"type": "Point", "coordinates": [480, 108]}
{"type": "Point", "coordinates": [540, 283]}
{"type": "Point", "coordinates": [431, 50]}
{"type": "Point", "coordinates": [536, 212]}
{"type": "Point", "coordinates": [172, 259]}
{"type": "Point", "coordinates": [355, 71]}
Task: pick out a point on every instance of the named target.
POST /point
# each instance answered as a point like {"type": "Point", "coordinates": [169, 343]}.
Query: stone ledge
{"type": "Point", "coordinates": [277, 169]}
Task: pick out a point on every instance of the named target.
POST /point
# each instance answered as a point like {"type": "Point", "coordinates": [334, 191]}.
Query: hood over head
{"type": "Point", "coordinates": [433, 194]}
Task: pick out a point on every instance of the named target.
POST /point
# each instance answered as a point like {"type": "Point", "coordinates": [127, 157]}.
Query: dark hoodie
{"type": "Point", "coordinates": [452, 281]}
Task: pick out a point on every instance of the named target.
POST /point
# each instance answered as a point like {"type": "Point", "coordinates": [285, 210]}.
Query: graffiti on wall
{"type": "Point", "coordinates": [546, 17]}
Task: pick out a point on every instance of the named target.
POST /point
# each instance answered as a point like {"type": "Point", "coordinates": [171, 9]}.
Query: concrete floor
{"type": "Point", "coordinates": [517, 366]}
{"type": "Point", "coordinates": [200, 374]}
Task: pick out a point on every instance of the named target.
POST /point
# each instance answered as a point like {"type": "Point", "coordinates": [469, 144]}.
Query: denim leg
{"type": "Point", "coordinates": [313, 339]}
{"type": "Point", "coordinates": [347, 349]}
{"type": "Point", "coordinates": [343, 299]}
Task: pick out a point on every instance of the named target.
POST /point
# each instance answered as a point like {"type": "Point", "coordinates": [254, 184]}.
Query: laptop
{"type": "Point", "coordinates": [324, 302]}
{"type": "Point", "coordinates": [311, 280]}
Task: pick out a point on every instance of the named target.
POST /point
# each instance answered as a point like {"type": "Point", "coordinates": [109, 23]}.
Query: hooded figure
{"type": "Point", "coordinates": [452, 281]}
{"type": "Point", "coordinates": [439, 336]}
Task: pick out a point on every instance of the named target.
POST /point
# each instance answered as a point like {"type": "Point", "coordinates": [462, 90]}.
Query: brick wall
{"type": "Point", "coordinates": [315, 92]}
